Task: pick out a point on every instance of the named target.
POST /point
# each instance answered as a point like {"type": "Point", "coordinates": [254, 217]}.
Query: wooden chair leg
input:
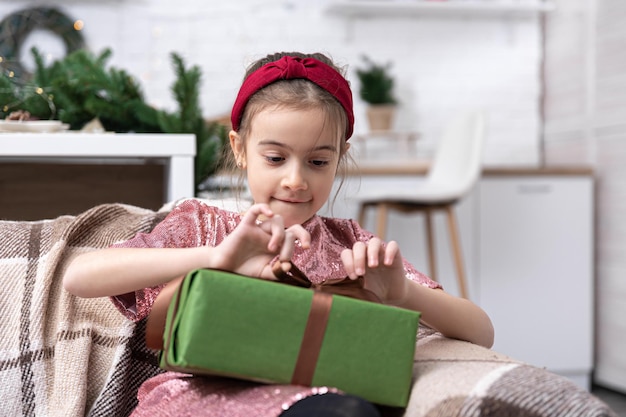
{"type": "Point", "coordinates": [381, 225]}
{"type": "Point", "coordinates": [432, 261]}
{"type": "Point", "coordinates": [362, 209]}
{"type": "Point", "coordinates": [456, 248]}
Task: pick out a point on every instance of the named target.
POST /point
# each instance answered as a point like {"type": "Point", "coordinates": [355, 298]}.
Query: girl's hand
{"type": "Point", "coordinates": [250, 248]}
{"type": "Point", "coordinates": [383, 270]}
{"type": "Point", "coordinates": [381, 266]}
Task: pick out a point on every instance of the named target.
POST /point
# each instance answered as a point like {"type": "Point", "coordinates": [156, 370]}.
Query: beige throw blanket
{"type": "Point", "coordinates": [455, 378]}
{"type": "Point", "coordinates": [64, 356]}
{"type": "Point", "coordinates": [61, 355]}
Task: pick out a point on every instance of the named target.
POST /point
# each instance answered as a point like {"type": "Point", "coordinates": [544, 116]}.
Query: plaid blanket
{"type": "Point", "coordinates": [65, 356]}
{"type": "Point", "coordinates": [456, 378]}
{"type": "Point", "coordinates": [61, 355]}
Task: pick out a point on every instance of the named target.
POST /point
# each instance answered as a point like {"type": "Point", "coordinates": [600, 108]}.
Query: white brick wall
{"type": "Point", "coordinates": [585, 124]}
{"type": "Point", "coordinates": [442, 64]}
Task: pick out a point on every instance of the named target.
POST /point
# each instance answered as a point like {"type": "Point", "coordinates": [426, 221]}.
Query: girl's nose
{"type": "Point", "coordinates": [295, 179]}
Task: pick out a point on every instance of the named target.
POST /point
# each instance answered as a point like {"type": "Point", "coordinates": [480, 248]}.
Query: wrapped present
{"type": "Point", "coordinates": [221, 323]}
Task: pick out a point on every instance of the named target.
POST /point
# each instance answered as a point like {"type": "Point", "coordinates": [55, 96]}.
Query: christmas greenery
{"type": "Point", "coordinates": [80, 88]}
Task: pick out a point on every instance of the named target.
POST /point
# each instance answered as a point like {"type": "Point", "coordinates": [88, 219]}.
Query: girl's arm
{"type": "Point", "coordinates": [248, 250]}
{"type": "Point", "coordinates": [454, 317]}
{"type": "Point", "coordinates": [116, 271]}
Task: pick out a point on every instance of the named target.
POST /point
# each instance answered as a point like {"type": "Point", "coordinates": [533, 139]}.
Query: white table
{"type": "Point", "coordinates": [176, 151]}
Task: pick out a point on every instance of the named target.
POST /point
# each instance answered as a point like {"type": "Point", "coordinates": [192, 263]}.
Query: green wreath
{"type": "Point", "coordinates": [16, 27]}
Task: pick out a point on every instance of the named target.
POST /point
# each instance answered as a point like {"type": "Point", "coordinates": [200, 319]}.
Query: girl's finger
{"type": "Point", "coordinates": [359, 250]}
{"type": "Point", "coordinates": [391, 252]}
{"type": "Point", "coordinates": [253, 213]}
{"type": "Point", "coordinates": [347, 259]}
{"type": "Point", "coordinates": [373, 252]}
{"type": "Point", "coordinates": [286, 250]}
{"type": "Point", "coordinates": [301, 235]}
{"type": "Point", "coordinates": [277, 232]}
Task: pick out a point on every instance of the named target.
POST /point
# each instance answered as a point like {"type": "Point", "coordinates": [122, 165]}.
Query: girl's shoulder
{"type": "Point", "coordinates": [202, 205]}
{"type": "Point", "coordinates": [190, 222]}
{"type": "Point", "coordinates": [200, 208]}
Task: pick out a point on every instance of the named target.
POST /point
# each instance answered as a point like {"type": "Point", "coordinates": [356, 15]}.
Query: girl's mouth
{"type": "Point", "coordinates": [291, 201]}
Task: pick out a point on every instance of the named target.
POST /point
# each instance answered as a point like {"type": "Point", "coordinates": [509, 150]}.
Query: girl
{"type": "Point", "coordinates": [291, 122]}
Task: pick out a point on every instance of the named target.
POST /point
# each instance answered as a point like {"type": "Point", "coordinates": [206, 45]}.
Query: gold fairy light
{"type": "Point", "coordinates": [11, 74]}
{"type": "Point", "coordinates": [39, 90]}
{"type": "Point", "coordinates": [79, 25]}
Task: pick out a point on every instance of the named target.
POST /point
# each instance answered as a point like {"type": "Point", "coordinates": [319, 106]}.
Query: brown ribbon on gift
{"type": "Point", "coordinates": [312, 339]}
{"type": "Point", "coordinates": [354, 288]}
{"type": "Point", "coordinates": [319, 313]}
{"type": "Point", "coordinates": [315, 328]}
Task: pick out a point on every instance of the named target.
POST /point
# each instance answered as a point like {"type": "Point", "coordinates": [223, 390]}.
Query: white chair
{"type": "Point", "coordinates": [455, 169]}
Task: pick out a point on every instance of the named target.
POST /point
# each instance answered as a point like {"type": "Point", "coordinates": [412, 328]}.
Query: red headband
{"type": "Point", "coordinates": [289, 68]}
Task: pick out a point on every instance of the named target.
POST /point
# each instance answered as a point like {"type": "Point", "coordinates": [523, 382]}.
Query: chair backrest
{"type": "Point", "coordinates": [458, 159]}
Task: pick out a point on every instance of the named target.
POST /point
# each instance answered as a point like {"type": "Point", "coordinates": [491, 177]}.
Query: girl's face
{"type": "Point", "coordinates": [291, 158]}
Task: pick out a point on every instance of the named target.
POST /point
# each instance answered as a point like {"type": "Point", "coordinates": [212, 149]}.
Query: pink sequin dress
{"type": "Point", "coordinates": [193, 223]}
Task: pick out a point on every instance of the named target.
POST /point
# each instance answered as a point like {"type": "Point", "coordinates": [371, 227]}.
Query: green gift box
{"type": "Point", "coordinates": [221, 323]}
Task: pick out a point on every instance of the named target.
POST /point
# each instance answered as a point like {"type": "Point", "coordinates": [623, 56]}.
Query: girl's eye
{"type": "Point", "coordinates": [274, 159]}
{"type": "Point", "coordinates": [319, 163]}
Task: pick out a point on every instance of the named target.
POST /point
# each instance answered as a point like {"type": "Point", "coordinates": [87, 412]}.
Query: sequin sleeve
{"type": "Point", "coordinates": [190, 224]}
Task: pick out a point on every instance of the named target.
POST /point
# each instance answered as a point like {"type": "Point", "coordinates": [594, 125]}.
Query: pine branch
{"type": "Point", "coordinates": [80, 88]}
{"type": "Point", "coordinates": [210, 139]}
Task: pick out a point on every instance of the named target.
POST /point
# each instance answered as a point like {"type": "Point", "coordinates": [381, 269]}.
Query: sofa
{"type": "Point", "coordinates": [65, 356]}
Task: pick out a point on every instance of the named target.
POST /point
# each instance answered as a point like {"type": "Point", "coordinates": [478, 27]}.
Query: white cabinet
{"type": "Point", "coordinates": [528, 250]}
{"type": "Point", "coordinates": [536, 269]}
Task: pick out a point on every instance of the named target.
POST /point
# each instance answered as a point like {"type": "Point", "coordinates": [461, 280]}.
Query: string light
{"type": "Point", "coordinates": [19, 25]}
{"type": "Point", "coordinates": [28, 92]}
{"type": "Point", "coordinates": [157, 31]}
